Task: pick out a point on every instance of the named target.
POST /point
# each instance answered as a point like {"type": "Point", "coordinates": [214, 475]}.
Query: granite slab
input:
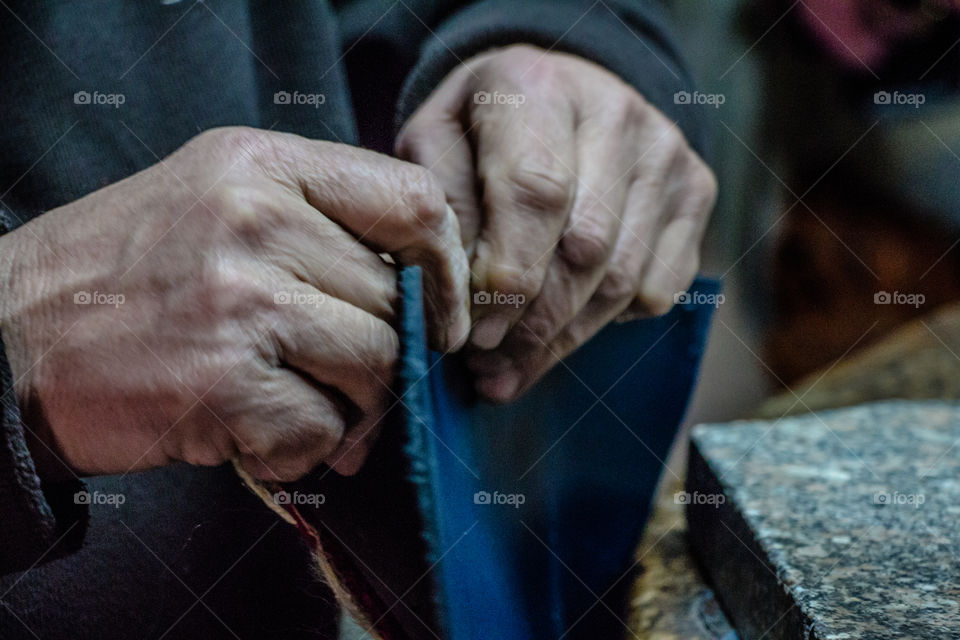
{"type": "Point", "coordinates": [835, 525]}
{"type": "Point", "coordinates": [670, 598]}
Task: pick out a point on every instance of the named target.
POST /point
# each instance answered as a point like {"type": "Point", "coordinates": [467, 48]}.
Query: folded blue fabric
{"type": "Point", "coordinates": [468, 521]}
{"type": "Point", "coordinates": [530, 512]}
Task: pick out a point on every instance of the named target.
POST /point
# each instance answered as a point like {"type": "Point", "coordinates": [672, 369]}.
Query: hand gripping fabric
{"type": "Point", "coordinates": [516, 522]}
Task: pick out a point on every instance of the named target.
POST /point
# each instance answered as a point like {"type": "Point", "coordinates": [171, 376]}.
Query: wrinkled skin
{"type": "Point", "coordinates": [218, 305]}
{"type": "Point", "coordinates": [578, 202]}
{"type": "Point", "coordinates": [237, 299]}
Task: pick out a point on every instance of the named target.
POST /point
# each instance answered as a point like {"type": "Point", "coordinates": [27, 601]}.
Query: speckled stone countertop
{"type": "Point", "coordinates": [836, 525]}
{"type": "Point", "coordinates": [670, 598]}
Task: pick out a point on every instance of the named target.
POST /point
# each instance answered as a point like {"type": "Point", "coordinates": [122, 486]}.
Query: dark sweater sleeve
{"type": "Point", "coordinates": [38, 521]}
{"type": "Point", "coordinates": [631, 39]}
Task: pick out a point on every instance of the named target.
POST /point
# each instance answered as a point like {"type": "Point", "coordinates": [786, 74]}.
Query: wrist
{"type": "Point", "coordinates": [11, 326]}
{"type": "Point", "coordinates": [36, 432]}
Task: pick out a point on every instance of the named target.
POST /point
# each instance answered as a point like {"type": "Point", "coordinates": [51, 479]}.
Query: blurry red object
{"type": "Point", "coordinates": [861, 34]}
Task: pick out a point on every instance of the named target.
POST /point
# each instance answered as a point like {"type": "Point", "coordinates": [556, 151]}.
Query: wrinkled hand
{"type": "Point", "coordinates": [218, 304]}
{"type": "Point", "coordinates": [578, 201]}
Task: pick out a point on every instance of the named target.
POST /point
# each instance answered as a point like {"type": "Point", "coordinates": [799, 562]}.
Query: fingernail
{"type": "Point", "coordinates": [489, 332]}
{"type": "Point", "coordinates": [500, 388]}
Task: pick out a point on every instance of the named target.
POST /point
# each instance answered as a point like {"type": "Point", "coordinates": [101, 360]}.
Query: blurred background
{"type": "Point", "coordinates": [837, 139]}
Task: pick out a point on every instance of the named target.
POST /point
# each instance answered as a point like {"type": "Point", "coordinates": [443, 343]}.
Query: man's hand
{"type": "Point", "coordinates": [578, 201]}
{"type": "Point", "coordinates": [220, 304]}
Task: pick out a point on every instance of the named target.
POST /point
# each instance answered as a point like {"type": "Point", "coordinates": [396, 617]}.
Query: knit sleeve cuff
{"type": "Point", "coordinates": [632, 40]}
{"type": "Point", "coordinates": [38, 521]}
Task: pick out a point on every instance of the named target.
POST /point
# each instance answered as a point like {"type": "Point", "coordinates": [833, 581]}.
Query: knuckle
{"type": "Point", "coordinates": [243, 210]}
{"type": "Point", "coordinates": [587, 244]}
{"type": "Point", "coordinates": [673, 141]}
{"type": "Point", "coordinates": [662, 155]}
{"type": "Point", "coordinates": [618, 284]}
{"type": "Point", "coordinates": [226, 291]}
{"type": "Point", "coordinates": [246, 141]}
{"type": "Point", "coordinates": [537, 187]}
{"type": "Point", "coordinates": [537, 330]}
{"type": "Point", "coordinates": [257, 443]}
{"type": "Point", "coordinates": [624, 108]}
{"type": "Point", "coordinates": [664, 145]}
{"type": "Point", "coordinates": [208, 137]}
{"type": "Point", "coordinates": [323, 435]}
{"type": "Point", "coordinates": [522, 285]}
{"type": "Point", "coordinates": [426, 199]}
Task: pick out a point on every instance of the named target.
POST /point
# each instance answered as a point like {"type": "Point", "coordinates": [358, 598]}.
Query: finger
{"type": "Point", "coordinates": [591, 233]}
{"type": "Point", "coordinates": [338, 345]}
{"type": "Point", "coordinates": [524, 360]}
{"type": "Point", "coordinates": [292, 427]}
{"type": "Point", "coordinates": [678, 247]}
{"type": "Point", "coordinates": [392, 206]}
{"type": "Point", "coordinates": [677, 253]}
{"type": "Point", "coordinates": [662, 283]}
{"type": "Point", "coordinates": [513, 378]}
{"type": "Point", "coordinates": [526, 161]}
{"type": "Point", "coordinates": [355, 447]}
{"type": "Point", "coordinates": [674, 264]}
{"type": "Point", "coordinates": [640, 185]}
{"type": "Point", "coordinates": [360, 437]}
{"type": "Point", "coordinates": [671, 265]}
{"type": "Point", "coordinates": [651, 205]}
{"type": "Point", "coordinates": [316, 250]}
{"type": "Point", "coordinates": [434, 137]}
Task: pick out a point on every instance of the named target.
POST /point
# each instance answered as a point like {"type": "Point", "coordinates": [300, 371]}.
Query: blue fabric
{"type": "Point", "coordinates": [405, 535]}
{"type": "Point", "coordinates": [573, 465]}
